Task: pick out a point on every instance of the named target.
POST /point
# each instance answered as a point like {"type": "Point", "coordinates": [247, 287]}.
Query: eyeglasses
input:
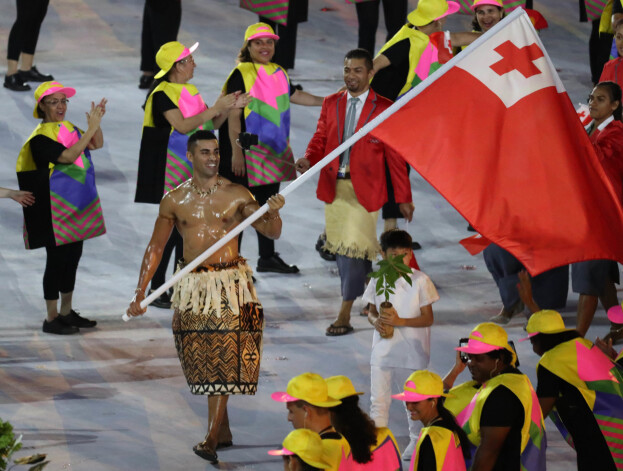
{"type": "Point", "coordinates": [55, 102]}
{"type": "Point", "coordinates": [186, 59]}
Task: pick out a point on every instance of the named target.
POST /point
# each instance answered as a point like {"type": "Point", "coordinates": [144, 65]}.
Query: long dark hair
{"type": "Point", "coordinates": [303, 465]}
{"type": "Point", "coordinates": [449, 418]}
{"type": "Point", "coordinates": [476, 26]}
{"type": "Point", "coordinates": [355, 425]}
{"type": "Point", "coordinates": [614, 91]}
{"type": "Point", "coordinates": [158, 81]}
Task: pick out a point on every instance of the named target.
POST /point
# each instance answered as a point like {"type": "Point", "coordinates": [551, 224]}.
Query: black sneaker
{"type": "Point", "coordinates": [75, 319]}
{"type": "Point", "coordinates": [33, 75]}
{"type": "Point", "coordinates": [163, 301]}
{"type": "Point", "coordinates": [145, 82]}
{"type": "Point", "coordinates": [324, 254]}
{"type": "Point", "coordinates": [274, 264]}
{"type": "Point", "coordinates": [14, 82]}
{"type": "Point", "coordinates": [57, 327]}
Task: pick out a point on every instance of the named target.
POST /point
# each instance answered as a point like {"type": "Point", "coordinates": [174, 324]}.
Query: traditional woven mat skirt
{"type": "Point", "coordinates": [350, 228]}
{"type": "Point", "coordinates": [217, 327]}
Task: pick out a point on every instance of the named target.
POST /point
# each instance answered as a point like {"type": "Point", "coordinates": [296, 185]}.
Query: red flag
{"type": "Point", "coordinates": [496, 134]}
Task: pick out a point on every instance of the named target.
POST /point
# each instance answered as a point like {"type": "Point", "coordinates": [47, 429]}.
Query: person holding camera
{"type": "Point", "coordinates": [262, 166]}
{"type": "Point", "coordinates": [503, 420]}
{"type": "Point", "coordinates": [174, 109]}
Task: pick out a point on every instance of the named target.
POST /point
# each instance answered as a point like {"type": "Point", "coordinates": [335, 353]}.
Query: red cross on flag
{"type": "Point", "coordinates": [494, 131]}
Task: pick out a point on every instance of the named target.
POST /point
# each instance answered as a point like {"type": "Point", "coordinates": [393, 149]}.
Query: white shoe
{"type": "Point", "coordinates": [408, 453]}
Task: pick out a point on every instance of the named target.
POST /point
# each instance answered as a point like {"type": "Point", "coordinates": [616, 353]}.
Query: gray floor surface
{"type": "Point", "coordinates": [114, 398]}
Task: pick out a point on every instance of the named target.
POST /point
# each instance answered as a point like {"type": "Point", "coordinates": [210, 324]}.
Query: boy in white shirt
{"type": "Point", "coordinates": [394, 359]}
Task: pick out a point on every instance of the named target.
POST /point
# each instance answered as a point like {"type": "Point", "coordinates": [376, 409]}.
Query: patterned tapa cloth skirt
{"type": "Point", "coordinates": [217, 327]}
{"type": "Point", "coordinates": [351, 229]}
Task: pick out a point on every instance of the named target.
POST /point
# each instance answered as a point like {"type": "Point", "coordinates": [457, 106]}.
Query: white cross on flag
{"type": "Point", "coordinates": [494, 131]}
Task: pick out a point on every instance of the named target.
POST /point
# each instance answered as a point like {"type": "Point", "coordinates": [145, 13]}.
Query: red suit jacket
{"type": "Point", "coordinates": [608, 144]}
{"type": "Point", "coordinates": [367, 156]}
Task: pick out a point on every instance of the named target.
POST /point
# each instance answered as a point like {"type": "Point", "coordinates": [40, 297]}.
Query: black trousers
{"type": "Point", "coordinates": [395, 13]}
{"type": "Point", "coordinates": [599, 46]}
{"type": "Point", "coordinates": [175, 242]}
{"type": "Point", "coordinates": [25, 31]}
{"type": "Point", "coordinates": [265, 245]}
{"type": "Point", "coordinates": [161, 23]}
{"type": "Point", "coordinates": [60, 269]}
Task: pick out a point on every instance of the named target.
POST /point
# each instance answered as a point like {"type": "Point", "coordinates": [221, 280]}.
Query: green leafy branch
{"type": "Point", "coordinates": [10, 444]}
{"type": "Point", "coordinates": [391, 269]}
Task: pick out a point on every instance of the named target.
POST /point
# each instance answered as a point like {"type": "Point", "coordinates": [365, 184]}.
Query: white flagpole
{"type": "Point", "coordinates": [327, 159]}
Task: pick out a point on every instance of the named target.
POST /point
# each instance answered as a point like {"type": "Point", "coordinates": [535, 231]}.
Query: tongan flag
{"type": "Point", "coordinates": [494, 131]}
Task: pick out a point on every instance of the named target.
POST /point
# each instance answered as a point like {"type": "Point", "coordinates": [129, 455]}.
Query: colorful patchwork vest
{"type": "Point", "coordinates": [187, 98]}
{"type": "Point", "coordinates": [385, 455]}
{"type": "Point", "coordinates": [533, 439]}
{"type": "Point", "coordinates": [599, 380]}
{"type": "Point", "coordinates": [437, 52]}
{"type": "Point", "coordinates": [336, 449]}
{"type": "Point", "coordinates": [76, 212]}
{"type": "Point", "coordinates": [418, 43]}
{"type": "Point", "coordinates": [458, 403]}
{"type": "Point", "coordinates": [268, 116]}
{"type": "Point", "coordinates": [447, 447]}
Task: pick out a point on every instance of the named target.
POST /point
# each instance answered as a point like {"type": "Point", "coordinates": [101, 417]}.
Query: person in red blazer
{"type": "Point", "coordinates": [354, 186]}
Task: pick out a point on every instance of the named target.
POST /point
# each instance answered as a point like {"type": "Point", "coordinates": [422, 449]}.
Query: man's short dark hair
{"type": "Point", "coordinates": [360, 53]}
{"type": "Point", "coordinates": [395, 239]}
{"type": "Point", "coordinates": [200, 135]}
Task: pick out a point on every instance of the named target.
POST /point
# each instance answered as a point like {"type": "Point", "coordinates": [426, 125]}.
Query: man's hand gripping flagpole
{"type": "Point", "coordinates": [320, 165]}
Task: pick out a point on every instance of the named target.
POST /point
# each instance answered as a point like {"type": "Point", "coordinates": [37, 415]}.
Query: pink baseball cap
{"type": "Point", "coordinates": [308, 387]}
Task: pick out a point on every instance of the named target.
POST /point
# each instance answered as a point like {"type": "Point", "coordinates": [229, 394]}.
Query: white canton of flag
{"type": "Point", "coordinates": [512, 69]}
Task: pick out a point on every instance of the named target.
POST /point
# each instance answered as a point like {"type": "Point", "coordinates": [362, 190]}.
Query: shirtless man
{"type": "Point", "coordinates": [218, 321]}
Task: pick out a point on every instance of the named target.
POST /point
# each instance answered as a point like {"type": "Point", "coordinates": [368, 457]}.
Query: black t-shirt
{"type": "Point", "coordinates": [589, 442]}
{"type": "Point", "coordinates": [161, 103]}
{"type": "Point", "coordinates": [504, 409]}
{"type": "Point", "coordinates": [45, 150]}
{"type": "Point", "coordinates": [389, 81]}
{"type": "Point", "coordinates": [426, 456]}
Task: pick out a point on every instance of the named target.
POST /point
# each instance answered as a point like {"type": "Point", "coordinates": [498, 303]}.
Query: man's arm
{"type": "Point", "coordinates": [491, 441]}
{"type": "Point", "coordinates": [457, 369]}
{"type": "Point", "coordinates": [153, 253]}
{"type": "Point", "coordinates": [463, 39]}
{"type": "Point", "coordinates": [269, 224]}
{"type": "Point", "coordinates": [299, 97]}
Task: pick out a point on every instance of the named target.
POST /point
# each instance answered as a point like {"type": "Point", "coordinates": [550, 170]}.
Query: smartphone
{"type": "Point", "coordinates": [463, 343]}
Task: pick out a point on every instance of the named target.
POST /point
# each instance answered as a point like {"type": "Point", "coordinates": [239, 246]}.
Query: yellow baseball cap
{"type": "Point", "coordinates": [308, 387]}
{"type": "Point", "coordinates": [487, 337]}
{"type": "Point", "coordinates": [49, 88]}
{"type": "Point", "coordinates": [421, 385]}
{"type": "Point", "coordinates": [428, 11]}
{"type": "Point", "coordinates": [305, 444]}
{"type": "Point", "coordinates": [259, 30]}
{"type": "Point", "coordinates": [482, 3]}
{"type": "Point", "coordinates": [340, 387]}
{"type": "Point", "coordinates": [170, 53]}
{"type": "Point", "coordinates": [545, 322]}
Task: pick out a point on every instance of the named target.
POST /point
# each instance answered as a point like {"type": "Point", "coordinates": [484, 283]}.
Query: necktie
{"type": "Point", "coordinates": [349, 129]}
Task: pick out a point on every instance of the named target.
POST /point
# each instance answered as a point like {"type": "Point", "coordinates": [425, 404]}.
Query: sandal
{"type": "Point", "coordinates": [337, 330]}
{"type": "Point", "coordinates": [202, 450]}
